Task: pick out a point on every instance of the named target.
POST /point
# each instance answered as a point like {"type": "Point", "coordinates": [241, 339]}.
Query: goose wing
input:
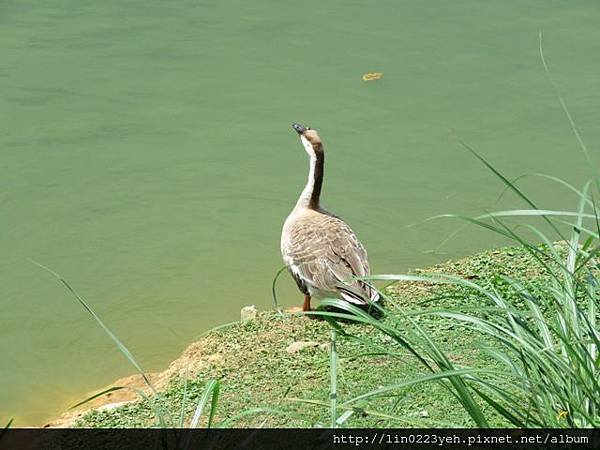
{"type": "Point", "coordinates": [324, 253]}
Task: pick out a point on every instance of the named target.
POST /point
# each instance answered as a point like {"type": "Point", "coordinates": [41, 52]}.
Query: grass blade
{"type": "Point", "coordinates": [507, 182]}
{"type": "Point", "coordinates": [276, 306]}
{"type": "Point", "coordinates": [333, 366]}
{"type": "Point", "coordinates": [210, 390]}
{"type": "Point", "coordinates": [563, 105]}
{"type": "Point", "coordinates": [124, 350]}
{"type": "Point", "coordinates": [6, 427]}
{"type": "Point", "coordinates": [99, 394]}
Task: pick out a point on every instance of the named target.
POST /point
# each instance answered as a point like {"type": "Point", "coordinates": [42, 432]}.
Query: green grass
{"type": "Point", "coordinates": [258, 377]}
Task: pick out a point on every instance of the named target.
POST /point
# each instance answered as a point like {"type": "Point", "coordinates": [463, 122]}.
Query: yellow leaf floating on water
{"type": "Point", "coordinates": [372, 76]}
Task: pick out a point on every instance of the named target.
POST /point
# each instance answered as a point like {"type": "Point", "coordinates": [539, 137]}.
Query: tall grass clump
{"type": "Point", "coordinates": [542, 336]}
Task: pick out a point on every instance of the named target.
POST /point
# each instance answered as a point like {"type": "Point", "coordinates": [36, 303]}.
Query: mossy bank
{"type": "Point", "coordinates": [274, 370]}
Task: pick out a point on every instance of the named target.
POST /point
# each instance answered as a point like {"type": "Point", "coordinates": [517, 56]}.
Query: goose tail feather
{"type": "Point", "coordinates": [360, 300]}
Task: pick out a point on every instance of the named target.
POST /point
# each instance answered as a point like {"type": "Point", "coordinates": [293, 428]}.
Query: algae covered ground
{"type": "Point", "coordinates": [274, 371]}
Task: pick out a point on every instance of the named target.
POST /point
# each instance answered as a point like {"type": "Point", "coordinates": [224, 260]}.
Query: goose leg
{"type": "Point", "coordinates": [306, 305]}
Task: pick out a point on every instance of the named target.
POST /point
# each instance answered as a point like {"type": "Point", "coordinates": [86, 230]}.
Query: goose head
{"type": "Point", "coordinates": [310, 139]}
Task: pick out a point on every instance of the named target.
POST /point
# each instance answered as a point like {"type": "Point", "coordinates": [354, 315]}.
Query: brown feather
{"type": "Point", "coordinates": [323, 251]}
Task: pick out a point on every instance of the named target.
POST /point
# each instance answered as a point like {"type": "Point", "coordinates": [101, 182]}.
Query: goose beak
{"type": "Point", "coordinates": [300, 129]}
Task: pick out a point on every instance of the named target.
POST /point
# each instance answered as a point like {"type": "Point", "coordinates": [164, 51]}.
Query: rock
{"type": "Point", "coordinates": [295, 347]}
{"type": "Point", "coordinates": [248, 313]}
{"type": "Point", "coordinates": [423, 413]}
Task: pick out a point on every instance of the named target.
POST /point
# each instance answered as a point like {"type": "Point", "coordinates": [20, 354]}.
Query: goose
{"type": "Point", "coordinates": [320, 250]}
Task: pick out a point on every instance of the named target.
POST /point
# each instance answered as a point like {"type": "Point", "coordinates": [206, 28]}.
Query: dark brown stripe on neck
{"type": "Point", "coordinates": [317, 180]}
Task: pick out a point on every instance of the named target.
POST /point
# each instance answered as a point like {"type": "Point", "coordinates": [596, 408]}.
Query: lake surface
{"type": "Point", "coordinates": [147, 156]}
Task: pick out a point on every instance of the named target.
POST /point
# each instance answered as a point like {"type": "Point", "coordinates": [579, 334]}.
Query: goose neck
{"type": "Point", "coordinates": [311, 195]}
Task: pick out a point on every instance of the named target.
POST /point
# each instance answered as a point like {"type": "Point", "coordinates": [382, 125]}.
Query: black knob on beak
{"type": "Point", "coordinates": [300, 129]}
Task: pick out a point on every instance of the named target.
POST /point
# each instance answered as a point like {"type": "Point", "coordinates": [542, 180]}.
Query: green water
{"type": "Point", "coordinates": [147, 155]}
